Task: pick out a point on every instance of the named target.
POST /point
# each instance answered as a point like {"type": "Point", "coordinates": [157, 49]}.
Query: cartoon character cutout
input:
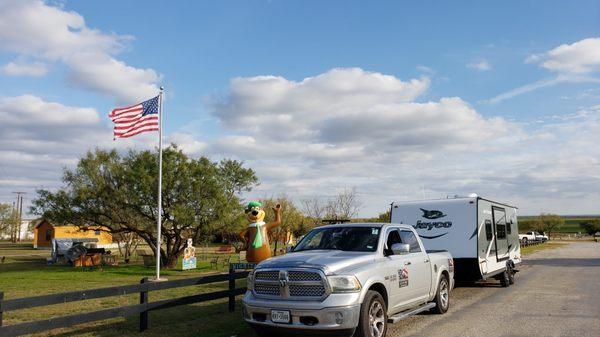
{"type": "Point", "coordinates": [256, 235]}
{"type": "Point", "coordinates": [189, 256]}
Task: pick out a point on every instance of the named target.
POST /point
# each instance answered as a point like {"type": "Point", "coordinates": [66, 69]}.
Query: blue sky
{"type": "Point", "coordinates": [496, 58]}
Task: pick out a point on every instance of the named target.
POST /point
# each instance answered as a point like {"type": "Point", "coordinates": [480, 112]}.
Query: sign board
{"type": "Point", "coordinates": [243, 266]}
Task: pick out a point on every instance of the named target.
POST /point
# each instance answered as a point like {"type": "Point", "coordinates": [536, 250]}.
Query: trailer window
{"type": "Point", "coordinates": [488, 230]}
{"type": "Point", "coordinates": [508, 228]}
{"type": "Point", "coordinates": [410, 238]}
{"type": "Point", "coordinates": [501, 231]}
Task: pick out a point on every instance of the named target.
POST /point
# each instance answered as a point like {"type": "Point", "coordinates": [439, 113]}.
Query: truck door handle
{"type": "Point", "coordinates": [406, 263]}
{"type": "Point", "coordinates": [426, 260]}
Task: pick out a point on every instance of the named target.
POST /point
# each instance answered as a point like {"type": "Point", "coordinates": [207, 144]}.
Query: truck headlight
{"type": "Point", "coordinates": [343, 283]}
{"type": "Point", "coordinates": [250, 281]}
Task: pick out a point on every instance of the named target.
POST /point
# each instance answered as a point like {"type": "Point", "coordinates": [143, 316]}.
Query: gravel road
{"type": "Point", "coordinates": [556, 293]}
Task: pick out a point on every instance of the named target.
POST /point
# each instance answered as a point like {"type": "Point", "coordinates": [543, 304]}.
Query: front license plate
{"type": "Point", "coordinates": [280, 316]}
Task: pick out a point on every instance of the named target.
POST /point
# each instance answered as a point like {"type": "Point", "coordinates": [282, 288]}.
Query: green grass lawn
{"type": "Point", "coordinates": [23, 275]}
{"type": "Point", "coordinates": [548, 245]}
{"type": "Point", "coordinates": [571, 225]}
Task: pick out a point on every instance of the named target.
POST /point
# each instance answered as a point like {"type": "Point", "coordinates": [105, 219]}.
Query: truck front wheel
{"type": "Point", "coordinates": [442, 297]}
{"type": "Point", "coordinates": [373, 316]}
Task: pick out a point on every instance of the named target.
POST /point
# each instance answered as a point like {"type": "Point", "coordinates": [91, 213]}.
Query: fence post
{"type": "Point", "coordinates": [231, 289]}
{"type": "Point", "coordinates": [1, 299]}
{"type": "Point", "coordinates": [144, 300]}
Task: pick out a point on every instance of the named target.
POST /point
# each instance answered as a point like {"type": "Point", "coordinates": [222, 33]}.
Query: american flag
{"type": "Point", "coordinates": [135, 119]}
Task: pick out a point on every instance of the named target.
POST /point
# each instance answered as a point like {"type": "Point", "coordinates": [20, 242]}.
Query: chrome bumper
{"type": "Point", "coordinates": [258, 312]}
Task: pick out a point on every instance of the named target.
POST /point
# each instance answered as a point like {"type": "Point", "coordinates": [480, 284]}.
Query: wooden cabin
{"type": "Point", "coordinates": [44, 232]}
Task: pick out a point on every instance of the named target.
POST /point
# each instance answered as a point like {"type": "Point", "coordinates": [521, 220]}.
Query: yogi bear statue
{"type": "Point", "coordinates": [256, 234]}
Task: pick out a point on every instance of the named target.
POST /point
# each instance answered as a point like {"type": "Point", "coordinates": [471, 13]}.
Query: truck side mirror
{"type": "Point", "coordinates": [400, 248]}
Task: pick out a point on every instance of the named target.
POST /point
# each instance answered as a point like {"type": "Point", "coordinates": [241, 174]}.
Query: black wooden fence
{"type": "Point", "coordinates": [142, 309]}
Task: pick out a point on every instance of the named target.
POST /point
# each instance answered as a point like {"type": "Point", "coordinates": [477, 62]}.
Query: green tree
{"type": "Point", "coordinates": [548, 223]}
{"type": "Point", "coordinates": [590, 226]}
{"type": "Point", "coordinates": [120, 192]}
{"type": "Point", "coordinates": [382, 217]}
{"type": "Point", "coordinates": [5, 217]}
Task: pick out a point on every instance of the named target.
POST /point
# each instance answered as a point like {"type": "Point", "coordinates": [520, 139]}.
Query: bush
{"type": "Point", "coordinates": [590, 226]}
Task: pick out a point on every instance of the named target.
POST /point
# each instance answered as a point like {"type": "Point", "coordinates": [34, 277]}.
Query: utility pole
{"type": "Point", "coordinates": [19, 209]}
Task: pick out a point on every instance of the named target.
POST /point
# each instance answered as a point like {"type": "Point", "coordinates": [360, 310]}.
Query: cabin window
{"type": "Point", "coordinates": [488, 230]}
{"type": "Point", "coordinates": [96, 232]}
{"type": "Point", "coordinates": [48, 234]}
{"type": "Point", "coordinates": [508, 228]}
{"type": "Point", "coordinates": [393, 238]}
{"type": "Point", "coordinates": [410, 238]}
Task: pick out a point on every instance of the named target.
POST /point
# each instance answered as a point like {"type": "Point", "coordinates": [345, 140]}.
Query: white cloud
{"type": "Point", "coordinates": [523, 89]}
{"type": "Point", "coordinates": [310, 138]}
{"type": "Point", "coordinates": [34, 29]}
{"type": "Point", "coordinates": [426, 70]}
{"type": "Point", "coordinates": [481, 65]}
{"type": "Point", "coordinates": [343, 114]}
{"type": "Point", "coordinates": [38, 138]}
{"type": "Point", "coordinates": [392, 146]}
{"type": "Point", "coordinates": [573, 63]}
{"type": "Point", "coordinates": [102, 73]}
{"type": "Point", "coordinates": [35, 69]}
{"type": "Point", "coordinates": [581, 57]}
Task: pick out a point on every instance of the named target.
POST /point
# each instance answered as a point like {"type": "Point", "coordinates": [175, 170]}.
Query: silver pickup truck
{"type": "Point", "coordinates": [348, 279]}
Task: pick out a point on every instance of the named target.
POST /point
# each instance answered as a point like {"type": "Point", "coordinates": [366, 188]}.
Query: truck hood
{"type": "Point", "coordinates": [330, 261]}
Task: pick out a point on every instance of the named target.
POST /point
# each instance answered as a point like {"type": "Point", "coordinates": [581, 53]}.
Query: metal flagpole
{"type": "Point", "coordinates": [159, 217]}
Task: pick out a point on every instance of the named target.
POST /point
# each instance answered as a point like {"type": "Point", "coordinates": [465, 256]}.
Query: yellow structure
{"type": "Point", "coordinates": [44, 232]}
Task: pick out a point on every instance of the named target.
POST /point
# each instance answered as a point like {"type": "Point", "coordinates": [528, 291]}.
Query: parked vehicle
{"type": "Point", "coordinates": [348, 279]}
{"type": "Point", "coordinates": [481, 234]}
{"type": "Point", "coordinates": [532, 237]}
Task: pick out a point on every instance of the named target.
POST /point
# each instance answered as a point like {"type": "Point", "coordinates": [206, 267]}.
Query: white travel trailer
{"type": "Point", "coordinates": [481, 234]}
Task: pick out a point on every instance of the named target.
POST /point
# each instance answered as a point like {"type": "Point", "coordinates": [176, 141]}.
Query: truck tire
{"type": "Point", "coordinates": [504, 278]}
{"type": "Point", "coordinates": [372, 321]}
{"type": "Point", "coordinates": [524, 240]}
{"type": "Point", "coordinates": [442, 296]}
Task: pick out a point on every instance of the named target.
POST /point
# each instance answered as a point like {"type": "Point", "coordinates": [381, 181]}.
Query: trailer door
{"type": "Point", "coordinates": [499, 219]}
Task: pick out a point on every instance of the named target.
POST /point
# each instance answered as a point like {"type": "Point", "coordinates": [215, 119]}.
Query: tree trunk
{"type": "Point", "coordinates": [169, 261]}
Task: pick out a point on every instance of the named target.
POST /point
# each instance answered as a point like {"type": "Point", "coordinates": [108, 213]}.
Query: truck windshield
{"type": "Point", "coordinates": [355, 239]}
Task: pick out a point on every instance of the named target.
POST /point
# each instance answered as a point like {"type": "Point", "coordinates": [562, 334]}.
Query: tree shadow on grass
{"type": "Point", "coordinates": [22, 264]}
{"type": "Point", "coordinates": [206, 320]}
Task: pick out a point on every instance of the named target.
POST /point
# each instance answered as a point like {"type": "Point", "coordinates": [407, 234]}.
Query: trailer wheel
{"type": "Point", "coordinates": [511, 274]}
{"type": "Point", "coordinates": [504, 279]}
{"type": "Point", "coordinates": [373, 316]}
{"type": "Point", "coordinates": [442, 297]}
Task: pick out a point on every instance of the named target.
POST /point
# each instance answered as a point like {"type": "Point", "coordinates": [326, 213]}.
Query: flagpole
{"type": "Point", "coordinates": [159, 217]}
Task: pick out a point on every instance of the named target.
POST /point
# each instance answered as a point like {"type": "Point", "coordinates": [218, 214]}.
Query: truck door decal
{"type": "Point", "coordinates": [402, 277]}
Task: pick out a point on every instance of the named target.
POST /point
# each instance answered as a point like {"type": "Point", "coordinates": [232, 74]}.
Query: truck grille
{"type": "Point", "coordinates": [267, 289]}
{"type": "Point", "coordinates": [296, 275]}
{"type": "Point", "coordinates": [267, 275]}
{"type": "Point", "coordinates": [307, 290]}
{"type": "Point", "coordinates": [292, 284]}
